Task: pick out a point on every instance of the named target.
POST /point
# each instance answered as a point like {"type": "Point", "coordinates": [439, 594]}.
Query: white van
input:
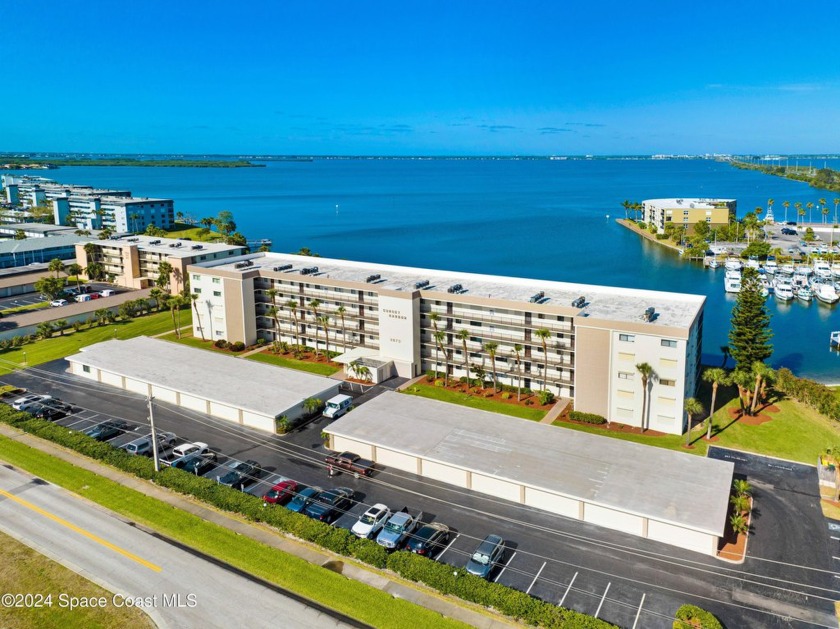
{"type": "Point", "coordinates": [337, 406]}
{"type": "Point", "coordinates": [81, 298]}
{"type": "Point", "coordinates": [106, 293]}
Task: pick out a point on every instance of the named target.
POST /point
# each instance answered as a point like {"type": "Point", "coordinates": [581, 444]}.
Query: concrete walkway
{"type": "Point", "coordinates": [415, 593]}
{"type": "Point", "coordinates": [556, 410]}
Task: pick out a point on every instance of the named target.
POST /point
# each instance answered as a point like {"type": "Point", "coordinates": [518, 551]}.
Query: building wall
{"type": "Point", "coordinates": [592, 376]}
{"type": "Point", "coordinates": [715, 212]}
{"type": "Point", "coordinates": [397, 331]}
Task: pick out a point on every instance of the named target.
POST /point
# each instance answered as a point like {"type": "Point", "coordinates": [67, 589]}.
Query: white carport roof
{"type": "Point", "coordinates": [355, 354]}
{"type": "Point", "coordinates": [673, 487]}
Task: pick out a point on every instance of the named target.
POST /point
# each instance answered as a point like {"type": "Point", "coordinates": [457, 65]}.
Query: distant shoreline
{"type": "Point", "coordinates": [39, 164]}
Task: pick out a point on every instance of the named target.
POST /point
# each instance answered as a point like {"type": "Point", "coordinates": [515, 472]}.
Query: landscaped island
{"type": "Point", "coordinates": [823, 178]}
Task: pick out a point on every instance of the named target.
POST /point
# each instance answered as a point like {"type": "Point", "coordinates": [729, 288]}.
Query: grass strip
{"type": "Point", "coordinates": [355, 599]}
{"type": "Point", "coordinates": [18, 309]}
{"type": "Point", "coordinates": [455, 397]}
{"type": "Point", "coordinates": [26, 571]}
{"type": "Point", "coordinates": [290, 363]}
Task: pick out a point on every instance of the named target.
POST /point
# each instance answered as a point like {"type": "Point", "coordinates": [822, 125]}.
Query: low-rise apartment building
{"type": "Point", "coordinates": [135, 261]}
{"type": "Point", "coordinates": [688, 212]}
{"type": "Point", "coordinates": [579, 341]}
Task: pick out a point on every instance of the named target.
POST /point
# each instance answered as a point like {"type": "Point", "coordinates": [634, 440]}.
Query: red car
{"type": "Point", "coordinates": [281, 492]}
{"type": "Point", "coordinates": [94, 295]}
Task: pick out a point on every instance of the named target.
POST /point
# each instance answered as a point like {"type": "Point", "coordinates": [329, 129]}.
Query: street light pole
{"type": "Point", "coordinates": [154, 435]}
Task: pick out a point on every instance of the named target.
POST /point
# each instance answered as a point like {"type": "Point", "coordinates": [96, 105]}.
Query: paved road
{"type": "Point", "coordinates": [179, 588]}
{"type": "Point", "coordinates": [587, 568]}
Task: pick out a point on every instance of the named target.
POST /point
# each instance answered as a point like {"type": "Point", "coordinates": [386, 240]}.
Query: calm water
{"type": "Point", "coordinates": [541, 219]}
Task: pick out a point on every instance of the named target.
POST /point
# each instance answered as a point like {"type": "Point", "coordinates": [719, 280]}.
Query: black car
{"type": "Point", "coordinates": [240, 474]}
{"type": "Point", "coordinates": [106, 430]}
{"type": "Point", "coordinates": [429, 540]}
{"type": "Point", "coordinates": [49, 413]}
{"type": "Point", "coordinates": [331, 504]}
{"type": "Point", "coordinates": [196, 464]}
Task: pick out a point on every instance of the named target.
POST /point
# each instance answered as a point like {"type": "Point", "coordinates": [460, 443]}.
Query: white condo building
{"type": "Point", "coordinates": [580, 341]}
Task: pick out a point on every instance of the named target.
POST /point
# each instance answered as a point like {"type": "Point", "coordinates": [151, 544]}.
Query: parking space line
{"type": "Point", "coordinates": [837, 558]}
{"type": "Point", "coordinates": [560, 604]}
{"type": "Point", "coordinates": [536, 576]}
{"type": "Point", "coordinates": [502, 571]}
{"type": "Point", "coordinates": [639, 610]}
{"type": "Point", "coordinates": [832, 537]}
{"type": "Point", "coordinates": [598, 611]}
{"type": "Point", "coordinates": [440, 554]}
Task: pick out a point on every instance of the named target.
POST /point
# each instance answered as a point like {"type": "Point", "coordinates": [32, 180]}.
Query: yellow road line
{"type": "Point", "coordinates": [80, 531]}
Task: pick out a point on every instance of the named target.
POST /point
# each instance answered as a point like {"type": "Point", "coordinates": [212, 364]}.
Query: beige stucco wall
{"type": "Point", "coordinates": [592, 370]}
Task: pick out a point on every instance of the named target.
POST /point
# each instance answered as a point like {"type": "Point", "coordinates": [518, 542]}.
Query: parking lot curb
{"type": "Point", "coordinates": [414, 592]}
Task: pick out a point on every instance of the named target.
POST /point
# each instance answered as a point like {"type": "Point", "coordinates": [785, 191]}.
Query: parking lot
{"type": "Point", "coordinates": [626, 580]}
{"type": "Point", "coordinates": [29, 299]}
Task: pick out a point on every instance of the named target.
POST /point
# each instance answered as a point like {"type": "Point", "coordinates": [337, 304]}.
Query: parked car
{"type": "Point", "coordinates": [331, 504]}
{"type": "Point", "coordinates": [371, 521]}
{"type": "Point", "coordinates": [197, 464]}
{"type": "Point", "coordinates": [429, 540]}
{"type": "Point", "coordinates": [58, 303]}
{"type": "Point", "coordinates": [240, 474]}
{"type": "Point", "coordinates": [281, 492]}
{"type": "Point", "coordinates": [398, 527]}
{"type": "Point", "coordinates": [49, 413]}
{"type": "Point", "coordinates": [349, 462]}
{"type": "Point", "coordinates": [106, 293]}
{"type": "Point", "coordinates": [143, 445]}
{"type": "Point", "coordinates": [486, 556]}
{"type": "Point", "coordinates": [106, 430]}
{"type": "Point", "coordinates": [303, 498]}
{"type": "Point", "coordinates": [187, 447]}
{"type": "Point", "coordinates": [22, 402]}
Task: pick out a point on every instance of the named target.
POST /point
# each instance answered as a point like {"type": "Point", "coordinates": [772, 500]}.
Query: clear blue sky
{"type": "Point", "coordinates": [455, 77]}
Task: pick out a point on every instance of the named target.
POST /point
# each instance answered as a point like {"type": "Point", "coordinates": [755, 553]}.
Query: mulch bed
{"type": "Point", "coordinates": [753, 420]}
{"type": "Point", "coordinates": [732, 546]}
{"type": "Point", "coordinates": [528, 401]}
{"type": "Point", "coordinates": [308, 357]}
{"type": "Point", "coordinates": [616, 427]}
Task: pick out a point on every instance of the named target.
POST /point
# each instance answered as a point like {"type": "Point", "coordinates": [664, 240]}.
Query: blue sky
{"type": "Point", "coordinates": [432, 78]}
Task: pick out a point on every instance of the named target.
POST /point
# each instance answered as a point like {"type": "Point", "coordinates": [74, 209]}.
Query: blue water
{"type": "Point", "coordinates": [530, 218]}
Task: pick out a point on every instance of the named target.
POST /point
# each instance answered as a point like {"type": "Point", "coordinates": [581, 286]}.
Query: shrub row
{"type": "Point", "coordinates": [439, 576]}
{"type": "Point", "coordinates": [816, 395]}
{"type": "Point", "coordinates": [690, 616]}
{"type": "Point", "coordinates": [589, 418]}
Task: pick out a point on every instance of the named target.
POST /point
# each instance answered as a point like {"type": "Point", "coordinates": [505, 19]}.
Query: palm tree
{"type": "Point", "coordinates": [787, 206]}
{"type": "Point", "coordinates": [770, 203]}
{"type": "Point", "coordinates": [76, 270]}
{"type": "Point", "coordinates": [717, 377]}
{"type": "Point", "coordinates": [491, 348]}
{"type": "Point", "coordinates": [692, 407]}
{"type": "Point", "coordinates": [544, 334]}
{"type": "Point", "coordinates": [272, 312]}
{"type": "Point", "coordinates": [739, 523]}
{"type": "Point", "coordinates": [315, 304]}
{"type": "Point", "coordinates": [810, 206]}
{"type": "Point", "coordinates": [800, 212]}
{"type": "Point", "coordinates": [434, 318]}
{"type": "Point", "coordinates": [164, 275]}
{"type": "Point", "coordinates": [742, 487]}
{"type": "Point", "coordinates": [740, 504]}
{"type": "Point", "coordinates": [463, 335]}
{"type": "Point", "coordinates": [762, 373]}
{"type": "Point", "coordinates": [56, 266]}
{"type": "Point", "coordinates": [744, 381]}
{"type": "Point", "coordinates": [725, 351]}
{"type": "Point", "coordinates": [292, 306]}
{"type": "Point", "coordinates": [324, 320]}
{"type": "Point", "coordinates": [439, 337]}
{"type": "Point", "coordinates": [823, 208]}
{"type": "Point", "coordinates": [480, 373]}
{"type": "Point", "coordinates": [836, 203]}
{"type": "Point", "coordinates": [646, 372]}
{"type": "Point", "coordinates": [174, 302]}
{"type": "Point", "coordinates": [272, 294]}
{"type": "Point", "coordinates": [194, 300]}
{"type": "Point", "coordinates": [825, 211]}
{"type": "Point", "coordinates": [517, 348]}
{"type": "Point", "coordinates": [45, 330]}
{"type": "Point", "coordinates": [340, 311]}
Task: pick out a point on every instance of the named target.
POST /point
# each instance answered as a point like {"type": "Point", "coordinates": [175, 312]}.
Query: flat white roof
{"type": "Point", "coordinates": [672, 487]}
{"type": "Point", "coordinates": [174, 247]}
{"type": "Point", "coordinates": [607, 302]}
{"type": "Point", "coordinates": [237, 382]}
{"type": "Point", "coordinates": [697, 203]}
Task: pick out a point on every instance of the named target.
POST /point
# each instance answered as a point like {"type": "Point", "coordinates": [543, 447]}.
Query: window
{"type": "Point", "coordinates": [196, 277]}
{"type": "Point", "coordinates": [629, 338]}
{"type": "Point", "coordinates": [217, 280]}
{"type": "Point", "coordinates": [86, 368]}
{"type": "Point", "coordinates": [196, 290]}
{"type": "Point", "coordinates": [626, 356]}
{"type": "Point", "coordinates": [668, 383]}
{"type": "Point", "coordinates": [667, 343]}
{"type": "Point", "coordinates": [217, 293]}
{"type": "Point", "coordinates": [625, 375]}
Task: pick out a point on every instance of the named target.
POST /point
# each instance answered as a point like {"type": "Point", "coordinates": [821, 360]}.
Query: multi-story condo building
{"type": "Point", "coordinates": [579, 341]}
{"type": "Point", "coordinates": [688, 212]}
{"type": "Point", "coordinates": [119, 213]}
{"type": "Point", "coordinates": [135, 261]}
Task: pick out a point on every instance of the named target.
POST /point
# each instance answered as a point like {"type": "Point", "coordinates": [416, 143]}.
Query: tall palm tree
{"type": "Point", "coordinates": [770, 203]}
{"type": "Point", "coordinates": [491, 347]}
{"type": "Point", "coordinates": [825, 212]}
{"type": "Point", "coordinates": [810, 206]}
{"type": "Point", "coordinates": [76, 270]}
{"type": "Point", "coordinates": [800, 212]}
{"type": "Point", "coordinates": [463, 335]}
{"type": "Point", "coordinates": [194, 300]}
{"type": "Point", "coordinates": [439, 337]}
{"type": "Point", "coordinates": [692, 407]}
{"type": "Point", "coordinates": [646, 372]}
{"type": "Point", "coordinates": [836, 203]}
{"type": "Point", "coordinates": [823, 208]}
{"type": "Point", "coordinates": [56, 266]}
{"type": "Point", "coordinates": [762, 374]}
{"type": "Point", "coordinates": [292, 306]}
{"type": "Point", "coordinates": [716, 376]}
{"type": "Point", "coordinates": [272, 294]}
{"type": "Point", "coordinates": [341, 311]}
{"type": "Point", "coordinates": [787, 206]}
{"type": "Point", "coordinates": [315, 304]}
{"type": "Point", "coordinates": [434, 318]}
{"type": "Point", "coordinates": [517, 348]}
{"type": "Point", "coordinates": [273, 312]}
{"type": "Point", "coordinates": [324, 320]}
{"type": "Point", "coordinates": [164, 275]}
{"type": "Point", "coordinates": [544, 334]}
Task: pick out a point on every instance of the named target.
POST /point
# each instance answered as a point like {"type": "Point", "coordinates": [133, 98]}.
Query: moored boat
{"type": "Point", "coordinates": [826, 294]}
{"type": "Point", "coordinates": [783, 291]}
{"type": "Point", "coordinates": [732, 283]}
{"type": "Point", "coordinates": [804, 293]}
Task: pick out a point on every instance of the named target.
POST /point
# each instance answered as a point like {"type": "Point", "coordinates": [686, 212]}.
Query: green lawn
{"type": "Point", "coordinates": [455, 397]}
{"type": "Point", "coordinates": [290, 363]}
{"type": "Point", "coordinates": [796, 432]}
{"type": "Point", "coordinates": [193, 233]}
{"type": "Point", "coordinates": [360, 601]}
{"type": "Point", "coordinates": [27, 308]}
{"type": "Point", "coordinates": [45, 350]}
{"type": "Point", "coordinates": [189, 339]}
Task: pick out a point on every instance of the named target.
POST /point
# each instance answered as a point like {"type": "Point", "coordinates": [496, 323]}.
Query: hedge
{"type": "Point", "coordinates": [408, 565]}
{"type": "Point", "coordinates": [589, 418]}
{"type": "Point", "coordinates": [691, 617]}
{"type": "Point", "coordinates": [813, 394]}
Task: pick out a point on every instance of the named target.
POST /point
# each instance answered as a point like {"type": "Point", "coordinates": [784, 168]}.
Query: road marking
{"type": "Point", "coordinates": [536, 576]}
{"type": "Point", "coordinates": [598, 611]}
{"type": "Point", "coordinates": [640, 611]}
{"type": "Point", "coordinates": [440, 554]}
{"type": "Point", "coordinates": [507, 563]}
{"type": "Point", "coordinates": [832, 537]}
{"type": "Point", "coordinates": [80, 531]}
{"type": "Point", "coordinates": [560, 604]}
{"type": "Point", "coordinates": [837, 558]}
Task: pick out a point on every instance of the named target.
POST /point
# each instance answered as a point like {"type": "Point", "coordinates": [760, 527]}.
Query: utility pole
{"type": "Point", "coordinates": [154, 435]}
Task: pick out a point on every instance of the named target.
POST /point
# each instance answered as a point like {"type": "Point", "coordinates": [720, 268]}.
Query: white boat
{"type": "Point", "coordinates": [732, 284]}
{"type": "Point", "coordinates": [765, 286]}
{"type": "Point", "coordinates": [804, 293]}
{"type": "Point", "coordinates": [822, 269]}
{"type": "Point", "coordinates": [712, 263]}
{"type": "Point", "coordinates": [771, 265]}
{"type": "Point", "coordinates": [804, 271]}
{"type": "Point", "coordinates": [787, 269]}
{"type": "Point", "coordinates": [835, 270]}
{"type": "Point", "coordinates": [752, 263]}
{"type": "Point", "coordinates": [732, 264]}
{"type": "Point", "coordinates": [783, 291]}
{"type": "Point", "coordinates": [826, 294]}
{"type": "Point", "coordinates": [732, 275]}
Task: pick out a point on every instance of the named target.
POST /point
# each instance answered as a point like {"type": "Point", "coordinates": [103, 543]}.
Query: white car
{"type": "Point", "coordinates": [187, 447]}
{"type": "Point", "coordinates": [58, 303]}
{"type": "Point", "coordinates": [22, 403]}
{"type": "Point", "coordinates": [371, 521]}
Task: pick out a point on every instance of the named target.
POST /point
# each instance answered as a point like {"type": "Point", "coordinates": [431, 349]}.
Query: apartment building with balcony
{"type": "Point", "coordinates": [688, 212]}
{"type": "Point", "coordinates": [579, 341]}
